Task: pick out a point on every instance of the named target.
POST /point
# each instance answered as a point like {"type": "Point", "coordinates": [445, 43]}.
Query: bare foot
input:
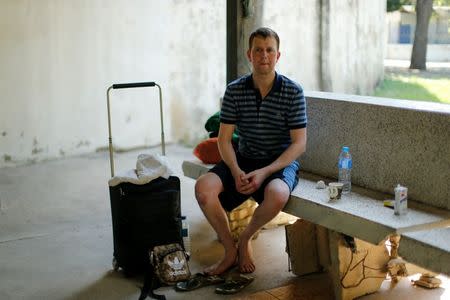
{"type": "Point", "coordinates": [246, 264]}
{"type": "Point", "coordinates": [228, 260]}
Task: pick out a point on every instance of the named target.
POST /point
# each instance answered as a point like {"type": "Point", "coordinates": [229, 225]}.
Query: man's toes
{"type": "Point", "coordinates": [247, 269]}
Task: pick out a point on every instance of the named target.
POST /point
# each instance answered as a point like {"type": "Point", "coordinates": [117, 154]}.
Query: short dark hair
{"type": "Point", "coordinates": [265, 33]}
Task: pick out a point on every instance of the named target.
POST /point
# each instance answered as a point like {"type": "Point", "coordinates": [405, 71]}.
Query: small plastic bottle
{"type": "Point", "coordinates": [185, 235]}
{"type": "Point", "coordinates": [345, 169]}
{"type": "Point", "coordinates": [401, 200]}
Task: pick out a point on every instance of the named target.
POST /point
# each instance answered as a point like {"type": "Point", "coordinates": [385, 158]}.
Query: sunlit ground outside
{"type": "Point", "coordinates": [431, 85]}
{"type": "Point", "coordinates": [420, 86]}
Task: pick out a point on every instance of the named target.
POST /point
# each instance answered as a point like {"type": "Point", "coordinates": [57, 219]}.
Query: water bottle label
{"type": "Point", "coordinates": [345, 164]}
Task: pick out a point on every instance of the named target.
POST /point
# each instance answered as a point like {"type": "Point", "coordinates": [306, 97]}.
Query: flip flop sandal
{"type": "Point", "coordinates": [234, 285]}
{"type": "Point", "coordinates": [197, 281]}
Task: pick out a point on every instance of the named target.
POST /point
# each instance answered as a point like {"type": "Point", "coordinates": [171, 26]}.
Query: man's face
{"type": "Point", "coordinates": [263, 55]}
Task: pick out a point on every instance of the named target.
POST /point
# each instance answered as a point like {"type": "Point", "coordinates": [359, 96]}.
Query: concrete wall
{"type": "Point", "coordinates": [58, 57]}
{"type": "Point", "coordinates": [391, 141]}
{"type": "Point", "coordinates": [356, 45]}
{"type": "Point", "coordinates": [300, 43]}
{"type": "Point", "coordinates": [330, 45]}
{"type": "Point", "coordinates": [438, 28]}
{"type": "Point", "coordinates": [435, 52]}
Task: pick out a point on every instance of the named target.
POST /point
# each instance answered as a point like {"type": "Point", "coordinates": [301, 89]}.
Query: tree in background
{"type": "Point", "coordinates": [424, 9]}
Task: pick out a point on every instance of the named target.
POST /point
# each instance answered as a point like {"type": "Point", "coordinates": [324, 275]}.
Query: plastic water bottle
{"type": "Point", "coordinates": [345, 169]}
{"type": "Point", "coordinates": [185, 235]}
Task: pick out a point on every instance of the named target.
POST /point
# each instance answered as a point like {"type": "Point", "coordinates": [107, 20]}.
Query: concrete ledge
{"type": "Point", "coordinates": [391, 141]}
{"type": "Point", "coordinates": [194, 168]}
{"type": "Point", "coordinates": [361, 214]}
{"type": "Point", "coordinates": [429, 249]}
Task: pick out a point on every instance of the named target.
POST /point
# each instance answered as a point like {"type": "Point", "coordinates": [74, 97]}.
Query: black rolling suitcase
{"type": "Point", "coordinates": [143, 216]}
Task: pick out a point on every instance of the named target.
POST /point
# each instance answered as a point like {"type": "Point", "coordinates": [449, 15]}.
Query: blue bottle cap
{"type": "Point", "coordinates": [345, 149]}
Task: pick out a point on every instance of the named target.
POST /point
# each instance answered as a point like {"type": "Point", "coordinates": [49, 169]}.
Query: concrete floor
{"type": "Point", "coordinates": [56, 236]}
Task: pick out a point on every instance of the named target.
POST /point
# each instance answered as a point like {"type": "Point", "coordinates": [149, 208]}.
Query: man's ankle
{"type": "Point", "coordinates": [230, 247]}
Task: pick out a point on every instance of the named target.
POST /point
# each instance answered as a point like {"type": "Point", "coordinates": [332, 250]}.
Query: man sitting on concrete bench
{"type": "Point", "coordinates": [269, 111]}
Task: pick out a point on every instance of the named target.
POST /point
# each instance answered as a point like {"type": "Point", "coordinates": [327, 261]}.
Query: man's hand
{"type": "Point", "coordinates": [252, 181]}
{"type": "Point", "coordinates": [239, 179]}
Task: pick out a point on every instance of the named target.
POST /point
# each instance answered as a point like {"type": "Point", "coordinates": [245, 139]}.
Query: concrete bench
{"type": "Point", "coordinates": [429, 248]}
{"type": "Point", "coordinates": [391, 141]}
{"type": "Point", "coordinates": [360, 214]}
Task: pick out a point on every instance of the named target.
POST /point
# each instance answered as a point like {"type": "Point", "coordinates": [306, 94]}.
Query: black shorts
{"type": "Point", "coordinates": [230, 198]}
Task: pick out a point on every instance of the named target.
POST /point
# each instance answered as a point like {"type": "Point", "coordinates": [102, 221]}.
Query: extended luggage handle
{"type": "Point", "coordinates": [127, 86]}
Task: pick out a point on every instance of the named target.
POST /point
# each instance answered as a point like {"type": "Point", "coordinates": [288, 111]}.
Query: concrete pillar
{"type": "Point", "coordinates": [358, 271]}
{"type": "Point", "coordinates": [325, 82]}
{"type": "Point", "coordinates": [232, 33]}
{"type": "Point", "coordinates": [243, 16]}
{"type": "Point", "coordinates": [354, 266]}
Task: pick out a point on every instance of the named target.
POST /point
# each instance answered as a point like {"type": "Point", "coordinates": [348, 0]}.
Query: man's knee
{"type": "Point", "coordinates": [278, 192]}
{"type": "Point", "coordinates": [207, 187]}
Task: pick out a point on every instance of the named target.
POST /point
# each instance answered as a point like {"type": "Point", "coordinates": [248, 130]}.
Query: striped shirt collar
{"type": "Point", "coordinates": [275, 88]}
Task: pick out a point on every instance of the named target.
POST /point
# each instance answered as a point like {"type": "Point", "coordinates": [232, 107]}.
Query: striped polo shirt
{"type": "Point", "coordinates": [263, 125]}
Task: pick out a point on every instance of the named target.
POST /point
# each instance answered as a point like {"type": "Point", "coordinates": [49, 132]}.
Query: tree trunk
{"type": "Point", "coordinates": [419, 51]}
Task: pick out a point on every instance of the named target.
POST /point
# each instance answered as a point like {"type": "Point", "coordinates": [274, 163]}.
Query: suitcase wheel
{"type": "Point", "coordinates": [115, 264]}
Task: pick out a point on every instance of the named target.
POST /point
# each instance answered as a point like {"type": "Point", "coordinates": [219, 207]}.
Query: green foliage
{"type": "Point", "coordinates": [393, 5]}
{"type": "Point", "coordinates": [441, 2]}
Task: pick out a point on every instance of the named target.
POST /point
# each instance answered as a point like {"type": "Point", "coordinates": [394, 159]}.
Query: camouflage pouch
{"type": "Point", "coordinates": [170, 263]}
